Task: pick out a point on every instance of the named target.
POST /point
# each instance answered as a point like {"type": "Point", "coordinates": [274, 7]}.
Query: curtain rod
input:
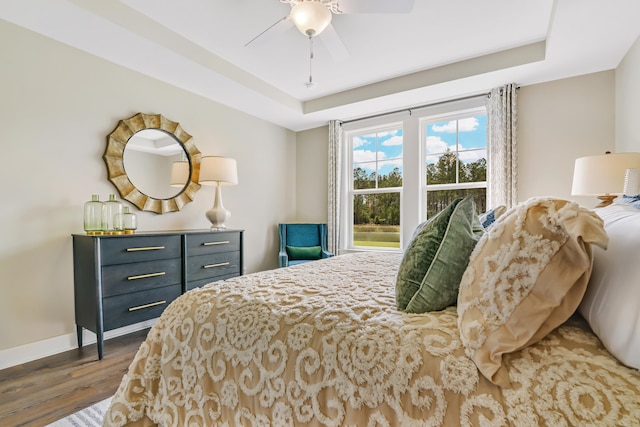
{"type": "Point", "coordinates": [433, 104]}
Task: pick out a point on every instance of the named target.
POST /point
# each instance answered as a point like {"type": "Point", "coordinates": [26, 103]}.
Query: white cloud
{"type": "Point", "coordinates": [391, 132]}
{"type": "Point", "coordinates": [394, 162]}
{"type": "Point", "coordinates": [464, 125]}
{"type": "Point", "coordinates": [468, 125]}
{"type": "Point", "coordinates": [359, 142]}
{"type": "Point", "coordinates": [394, 140]}
{"type": "Point", "coordinates": [366, 159]}
{"type": "Point", "coordinates": [446, 128]}
{"type": "Point", "coordinates": [435, 144]}
{"type": "Point", "coordinates": [360, 156]}
{"type": "Point", "coordinates": [472, 156]}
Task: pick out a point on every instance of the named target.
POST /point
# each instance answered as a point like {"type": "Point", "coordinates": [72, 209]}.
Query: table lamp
{"type": "Point", "coordinates": [603, 175]}
{"type": "Point", "coordinates": [218, 171]}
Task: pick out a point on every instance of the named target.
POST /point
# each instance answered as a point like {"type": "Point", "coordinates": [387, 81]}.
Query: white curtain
{"type": "Point", "coordinates": [502, 117]}
{"type": "Point", "coordinates": [335, 185]}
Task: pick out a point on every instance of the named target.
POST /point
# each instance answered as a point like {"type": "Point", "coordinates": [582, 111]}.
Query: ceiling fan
{"type": "Point", "coordinates": [313, 19]}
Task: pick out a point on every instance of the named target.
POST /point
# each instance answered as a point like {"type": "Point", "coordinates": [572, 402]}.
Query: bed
{"type": "Point", "coordinates": [324, 344]}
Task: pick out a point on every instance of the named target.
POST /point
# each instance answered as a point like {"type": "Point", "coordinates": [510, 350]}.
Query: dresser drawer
{"type": "Point", "coordinates": [210, 243]}
{"type": "Point", "coordinates": [213, 265]}
{"type": "Point", "coordinates": [127, 249]}
{"type": "Point", "coordinates": [122, 310]}
{"type": "Point", "coordinates": [124, 278]}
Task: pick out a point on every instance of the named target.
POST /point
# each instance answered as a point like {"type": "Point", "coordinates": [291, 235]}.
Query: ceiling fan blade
{"type": "Point", "coordinates": [280, 25]}
{"type": "Point", "coordinates": [375, 6]}
{"type": "Point", "coordinates": [331, 40]}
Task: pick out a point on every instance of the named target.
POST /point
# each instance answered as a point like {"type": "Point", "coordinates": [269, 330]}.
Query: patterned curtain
{"type": "Point", "coordinates": [335, 185]}
{"type": "Point", "coordinates": [502, 117]}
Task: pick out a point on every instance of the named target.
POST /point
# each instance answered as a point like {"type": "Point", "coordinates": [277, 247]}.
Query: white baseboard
{"type": "Point", "coordinates": [39, 349]}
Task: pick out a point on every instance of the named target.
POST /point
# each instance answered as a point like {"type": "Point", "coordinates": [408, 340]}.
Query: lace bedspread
{"type": "Point", "coordinates": [322, 344]}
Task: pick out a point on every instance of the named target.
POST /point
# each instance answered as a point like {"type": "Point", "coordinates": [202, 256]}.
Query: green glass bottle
{"type": "Point", "coordinates": [129, 221]}
{"type": "Point", "coordinates": [93, 215]}
{"type": "Point", "coordinates": [112, 216]}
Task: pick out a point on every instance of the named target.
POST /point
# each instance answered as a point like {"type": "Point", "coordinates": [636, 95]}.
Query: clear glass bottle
{"type": "Point", "coordinates": [93, 216]}
{"type": "Point", "coordinates": [112, 216]}
{"type": "Point", "coordinates": [129, 221]}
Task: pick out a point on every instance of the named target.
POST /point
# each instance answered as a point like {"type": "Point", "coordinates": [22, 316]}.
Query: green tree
{"type": "Point", "coordinates": [444, 171]}
{"type": "Point", "coordinates": [385, 208]}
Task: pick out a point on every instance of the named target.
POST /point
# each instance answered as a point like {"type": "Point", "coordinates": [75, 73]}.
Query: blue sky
{"type": "Point", "coordinates": [472, 133]}
{"type": "Point", "coordinates": [440, 136]}
{"type": "Point", "coordinates": [389, 153]}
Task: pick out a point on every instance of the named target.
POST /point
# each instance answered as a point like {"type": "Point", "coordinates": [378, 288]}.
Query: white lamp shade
{"type": "Point", "coordinates": [310, 17]}
{"type": "Point", "coordinates": [179, 174]}
{"type": "Point", "coordinates": [632, 182]}
{"type": "Point", "coordinates": [215, 170]}
{"type": "Point", "coordinates": [603, 174]}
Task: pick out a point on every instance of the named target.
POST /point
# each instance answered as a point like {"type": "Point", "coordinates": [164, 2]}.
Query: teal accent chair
{"type": "Point", "coordinates": [299, 237]}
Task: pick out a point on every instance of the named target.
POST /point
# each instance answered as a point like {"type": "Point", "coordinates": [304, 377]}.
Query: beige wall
{"type": "Point", "coordinates": [312, 158]}
{"type": "Point", "coordinates": [558, 122]}
{"type": "Point", "coordinates": [628, 101]}
{"type": "Point", "coordinates": [58, 105]}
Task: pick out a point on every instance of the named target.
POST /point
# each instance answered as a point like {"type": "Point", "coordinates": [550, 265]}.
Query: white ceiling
{"type": "Point", "coordinates": [443, 49]}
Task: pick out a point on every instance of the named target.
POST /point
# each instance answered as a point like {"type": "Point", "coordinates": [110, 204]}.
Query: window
{"type": "Point", "coordinates": [455, 161]}
{"type": "Point", "coordinates": [376, 157]}
{"type": "Point", "coordinates": [404, 168]}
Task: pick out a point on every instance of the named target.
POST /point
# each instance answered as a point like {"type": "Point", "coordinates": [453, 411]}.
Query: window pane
{"type": "Point", "coordinates": [390, 145]}
{"type": "Point", "coordinates": [364, 161]}
{"type": "Point", "coordinates": [363, 177]}
{"type": "Point", "coordinates": [473, 166]}
{"type": "Point", "coordinates": [472, 133]}
{"type": "Point", "coordinates": [440, 137]}
{"type": "Point", "coordinates": [440, 199]}
{"type": "Point", "coordinates": [390, 174]}
{"type": "Point", "coordinates": [376, 220]}
{"type": "Point", "coordinates": [442, 169]}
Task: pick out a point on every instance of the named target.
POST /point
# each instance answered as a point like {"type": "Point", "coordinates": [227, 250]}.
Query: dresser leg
{"type": "Point", "coordinates": [79, 335]}
{"type": "Point", "coordinates": [100, 342]}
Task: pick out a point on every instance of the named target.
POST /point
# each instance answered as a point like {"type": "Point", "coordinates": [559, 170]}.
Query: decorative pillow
{"type": "Point", "coordinates": [611, 304]}
{"type": "Point", "coordinates": [489, 217]}
{"type": "Point", "coordinates": [525, 277]}
{"type": "Point", "coordinates": [431, 268]}
{"type": "Point", "coordinates": [304, 253]}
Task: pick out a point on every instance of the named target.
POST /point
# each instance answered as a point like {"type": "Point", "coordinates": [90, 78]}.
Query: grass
{"type": "Point", "coordinates": [376, 235]}
{"type": "Point", "coordinates": [376, 244]}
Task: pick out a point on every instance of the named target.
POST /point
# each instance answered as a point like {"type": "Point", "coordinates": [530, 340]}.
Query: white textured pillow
{"type": "Point", "coordinates": [526, 276]}
{"type": "Point", "coordinates": [611, 304]}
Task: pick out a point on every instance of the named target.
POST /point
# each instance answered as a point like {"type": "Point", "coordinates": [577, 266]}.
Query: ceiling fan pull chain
{"type": "Point", "coordinates": [310, 84]}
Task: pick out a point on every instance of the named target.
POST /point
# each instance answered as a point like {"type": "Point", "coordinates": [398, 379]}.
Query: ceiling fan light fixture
{"type": "Point", "coordinates": [310, 17]}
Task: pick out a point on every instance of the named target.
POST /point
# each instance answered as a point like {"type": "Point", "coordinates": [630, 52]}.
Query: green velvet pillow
{"type": "Point", "coordinates": [304, 253]}
{"type": "Point", "coordinates": [432, 266]}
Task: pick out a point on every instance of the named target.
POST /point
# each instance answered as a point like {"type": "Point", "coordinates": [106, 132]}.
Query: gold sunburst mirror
{"type": "Point", "coordinates": [139, 156]}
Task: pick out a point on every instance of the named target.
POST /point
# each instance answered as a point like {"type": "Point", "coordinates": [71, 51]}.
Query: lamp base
{"type": "Point", "coordinates": [606, 200]}
{"type": "Point", "coordinates": [217, 215]}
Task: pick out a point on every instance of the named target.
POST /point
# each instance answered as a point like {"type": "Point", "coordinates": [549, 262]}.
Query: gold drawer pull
{"type": "Point", "coordinates": [153, 304]}
{"type": "Point", "coordinates": [215, 243]}
{"type": "Point", "coordinates": [148, 248]}
{"type": "Point", "coordinates": [144, 276]}
{"type": "Point", "coordinates": [222, 264]}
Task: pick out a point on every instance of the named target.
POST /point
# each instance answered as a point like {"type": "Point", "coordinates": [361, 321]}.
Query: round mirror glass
{"type": "Point", "coordinates": [149, 157]}
{"type": "Point", "coordinates": [153, 163]}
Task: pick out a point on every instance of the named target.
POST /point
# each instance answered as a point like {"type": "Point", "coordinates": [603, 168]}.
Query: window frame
{"type": "Point", "coordinates": [424, 187]}
{"type": "Point", "coordinates": [352, 192]}
{"type": "Point", "coordinates": [413, 193]}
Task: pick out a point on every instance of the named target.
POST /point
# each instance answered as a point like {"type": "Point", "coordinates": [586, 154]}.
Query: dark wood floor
{"type": "Point", "coordinates": [40, 392]}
